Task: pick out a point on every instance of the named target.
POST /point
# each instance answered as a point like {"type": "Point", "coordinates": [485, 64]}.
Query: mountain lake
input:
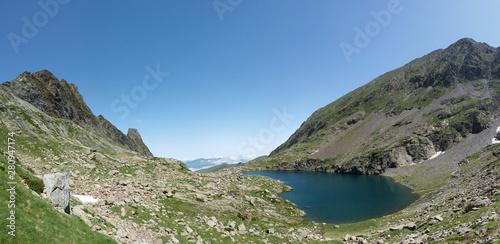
{"type": "Point", "coordinates": [342, 198]}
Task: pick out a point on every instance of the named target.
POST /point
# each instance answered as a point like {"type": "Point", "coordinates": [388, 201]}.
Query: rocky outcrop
{"type": "Point", "coordinates": [58, 99]}
{"type": "Point", "coordinates": [62, 100]}
{"type": "Point", "coordinates": [135, 142]}
{"type": "Point", "coordinates": [412, 150]}
{"type": "Point", "coordinates": [57, 190]}
{"type": "Point", "coordinates": [132, 140]}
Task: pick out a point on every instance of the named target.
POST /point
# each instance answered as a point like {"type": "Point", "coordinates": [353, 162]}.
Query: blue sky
{"type": "Point", "coordinates": [242, 77]}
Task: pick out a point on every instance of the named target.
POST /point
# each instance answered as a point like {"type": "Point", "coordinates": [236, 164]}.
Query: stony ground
{"type": "Point", "coordinates": [156, 200]}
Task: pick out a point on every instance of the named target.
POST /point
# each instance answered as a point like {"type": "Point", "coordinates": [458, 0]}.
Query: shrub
{"type": "Point", "coordinates": [35, 185]}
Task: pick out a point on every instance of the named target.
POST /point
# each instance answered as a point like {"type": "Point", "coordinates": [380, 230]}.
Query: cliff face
{"type": "Point", "coordinates": [61, 100]}
{"type": "Point", "coordinates": [58, 99]}
{"type": "Point", "coordinates": [404, 116]}
{"type": "Point", "coordinates": [134, 139]}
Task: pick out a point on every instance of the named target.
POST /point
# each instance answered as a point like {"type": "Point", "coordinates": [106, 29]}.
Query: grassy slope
{"type": "Point", "coordinates": [409, 88]}
{"type": "Point", "coordinates": [428, 187]}
{"type": "Point", "coordinates": [37, 221]}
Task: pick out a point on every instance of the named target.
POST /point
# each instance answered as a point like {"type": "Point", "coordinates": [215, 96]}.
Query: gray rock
{"type": "Point", "coordinates": [135, 142]}
{"type": "Point", "coordinates": [231, 224]}
{"type": "Point", "coordinates": [347, 237]}
{"type": "Point", "coordinates": [109, 201]}
{"type": "Point", "coordinates": [89, 166]}
{"type": "Point", "coordinates": [394, 228]}
{"type": "Point", "coordinates": [173, 240]}
{"type": "Point", "coordinates": [241, 227]}
{"type": "Point", "coordinates": [78, 211]}
{"type": "Point", "coordinates": [438, 217]}
{"type": "Point", "coordinates": [122, 233]}
{"type": "Point", "coordinates": [410, 226]}
{"type": "Point", "coordinates": [481, 202]}
{"type": "Point", "coordinates": [168, 192]}
{"type": "Point", "coordinates": [200, 197]}
{"type": "Point", "coordinates": [57, 190]}
{"type": "Point", "coordinates": [211, 223]}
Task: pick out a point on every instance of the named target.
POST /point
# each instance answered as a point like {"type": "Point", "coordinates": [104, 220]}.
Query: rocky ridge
{"type": "Point", "coordinates": [61, 100]}
{"type": "Point", "coordinates": [403, 117]}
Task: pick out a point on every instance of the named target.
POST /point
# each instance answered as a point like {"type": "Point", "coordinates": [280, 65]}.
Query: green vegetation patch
{"type": "Point", "coordinates": [36, 221]}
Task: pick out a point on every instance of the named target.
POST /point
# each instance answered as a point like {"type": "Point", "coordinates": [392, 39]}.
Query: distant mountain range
{"type": "Point", "coordinates": [203, 163]}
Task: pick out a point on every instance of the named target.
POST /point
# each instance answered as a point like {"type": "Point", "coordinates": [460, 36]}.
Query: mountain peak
{"type": "Point", "coordinates": [136, 143]}
{"type": "Point", "coordinates": [60, 99]}
{"type": "Point", "coordinates": [454, 91]}
{"type": "Point", "coordinates": [469, 45]}
{"type": "Point", "coordinates": [52, 96]}
{"type": "Point", "coordinates": [45, 76]}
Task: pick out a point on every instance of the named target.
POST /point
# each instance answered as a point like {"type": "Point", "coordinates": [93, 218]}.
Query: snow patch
{"type": "Point", "coordinates": [495, 140]}
{"type": "Point", "coordinates": [86, 199]}
{"type": "Point", "coordinates": [436, 155]}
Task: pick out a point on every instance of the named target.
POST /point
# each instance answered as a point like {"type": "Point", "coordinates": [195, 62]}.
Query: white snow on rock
{"type": "Point", "coordinates": [495, 140]}
{"type": "Point", "coordinates": [86, 199]}
{"type": "Point", "coordinates": [436, 155]}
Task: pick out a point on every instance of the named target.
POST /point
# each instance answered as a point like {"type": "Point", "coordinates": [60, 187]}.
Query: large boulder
{"type": "Point", "coordinates": [419, 148]}
{"type": "Point", "coordinates": [57, 190]}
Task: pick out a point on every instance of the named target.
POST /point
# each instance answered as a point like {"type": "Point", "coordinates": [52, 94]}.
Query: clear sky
{"type": "Point", "coordinates": [242, 74]}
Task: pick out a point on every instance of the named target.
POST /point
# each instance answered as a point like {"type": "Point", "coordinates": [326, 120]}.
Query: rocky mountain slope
{"type": "Point", "coordinates": [403, 117]}
{"type": "Point", "coordinates": [46, 96]}
{"type": "Point", "coordinates": [120, 193]}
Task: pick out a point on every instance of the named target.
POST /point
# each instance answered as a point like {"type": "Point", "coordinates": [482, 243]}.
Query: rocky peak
{"type": "Point", "coordinates": [55, 98]}
{"type": "Point", "coordinates": [464, 60]}
{"type": "Point", "coordinates": [60, 99]}
{"type": "Point", "coordinates": [135, 141]}
{"type": "Point", "coordinates": [467, 71]}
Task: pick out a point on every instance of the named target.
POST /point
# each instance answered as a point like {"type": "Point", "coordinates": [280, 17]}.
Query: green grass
{"type": "Point", "coordinates": [38, 222]}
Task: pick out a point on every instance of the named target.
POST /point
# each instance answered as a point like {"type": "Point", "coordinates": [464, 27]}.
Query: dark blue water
{"type": "Point", "coordinates": [341, 198]}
